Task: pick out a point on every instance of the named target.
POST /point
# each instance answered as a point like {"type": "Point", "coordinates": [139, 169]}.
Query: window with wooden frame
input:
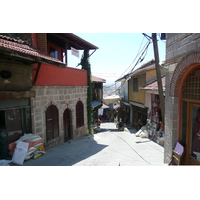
{"type": "Point", "coordinates": [55, 51]}
{"type": "Point", "coordinates": [135, 84]}
{"type": "Point", "coordinates": [79, 114]}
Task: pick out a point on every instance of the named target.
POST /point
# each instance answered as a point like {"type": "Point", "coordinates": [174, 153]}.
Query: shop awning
{"type": "Point", "coordinates": [112, 99]}
{"type": "Point", "coordinates": [104, 106]}
{"type": "Point", "coordinates": [96, 105]}
{"type": "Point", "coordinates": [137, 104]}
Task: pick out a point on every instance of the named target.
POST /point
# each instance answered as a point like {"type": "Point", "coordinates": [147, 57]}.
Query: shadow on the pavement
{"type": "Point", "coordinates": [142, 141]}
{"type": "Point", "coordinates": [67, 154]}
{"type": "Point", "coordinates": [108, 129]}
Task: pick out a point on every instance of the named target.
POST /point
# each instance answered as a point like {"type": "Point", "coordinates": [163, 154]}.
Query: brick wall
{"type": "Point", "coordinates": [41, 42]}
{"type": "Point", "coordinates": [62, 97]}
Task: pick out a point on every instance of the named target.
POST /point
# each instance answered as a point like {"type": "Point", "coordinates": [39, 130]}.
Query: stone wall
{"type": "Point", "coordinates": [21, 75]}
{"type": "Point", "coordinates": [178, 46]}
{"type": "Point", "coordinates": [62, 97]}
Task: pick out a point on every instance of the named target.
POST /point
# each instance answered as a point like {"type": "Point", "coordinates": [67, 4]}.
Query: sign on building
{"type": "Point", "coordinates": [75, 52]}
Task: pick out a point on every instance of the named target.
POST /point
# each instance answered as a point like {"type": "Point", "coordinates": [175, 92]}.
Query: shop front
{"type": "Point", "coordinates": [183, 109]}
{"type": "Point", "coordinates": [15, 120]}
{"type": "Point", "coordinates": [190, 112]}
{"type": "Point", "coordinates": [139, 115]}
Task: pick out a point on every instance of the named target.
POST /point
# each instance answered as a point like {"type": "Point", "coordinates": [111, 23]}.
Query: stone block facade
{"type": "Point", "coordinates": [62, 97]}
{"type": "Point", "coordinates": [181, 51]}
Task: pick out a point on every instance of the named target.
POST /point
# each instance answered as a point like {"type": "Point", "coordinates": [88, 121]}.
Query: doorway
{"type": "Point", "coordinates": [193, 149]}
{"type": "Point", "coordinates": [190, 128]}
{"type": "Point", "coordinates": [52, 123]}
{"type": "Point", "coordinates": [2, 121]}
{"type": "Point", "coordinates": [67, 125]}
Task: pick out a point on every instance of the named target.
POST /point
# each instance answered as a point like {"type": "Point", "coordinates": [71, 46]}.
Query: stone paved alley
{"type": "Point", "coordinates": [109, 147]}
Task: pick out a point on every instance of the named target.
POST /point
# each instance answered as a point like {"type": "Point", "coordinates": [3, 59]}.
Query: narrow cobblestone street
{"type": "Point", "coordinates": [109, 147]}
{"type": "Point", "coordinates": [123, 148]}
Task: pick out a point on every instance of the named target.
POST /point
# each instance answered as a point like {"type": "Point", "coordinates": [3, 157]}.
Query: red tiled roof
{"type": "Point", "coordinates": [25, 49]}
{"type": "Point", "coordinates": [97, 79]}
{"type": "Point", "coordinates": [153, 85]}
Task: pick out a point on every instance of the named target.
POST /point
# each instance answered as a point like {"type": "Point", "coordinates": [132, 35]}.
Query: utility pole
{"type": "Point", "coordinates": [159, 80]}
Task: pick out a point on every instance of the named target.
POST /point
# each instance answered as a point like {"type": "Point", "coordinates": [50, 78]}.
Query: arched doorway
{"type": "Point", "coordinates": [67, 125]}
{"type": "Point", "coordinates": [190, 112]}
{"type": "Point", "coordinates": [79, 114]}
{"type": "Point", "coordinates": [52, 123]}
{"type": "Point", "coordinates": [185, 95]}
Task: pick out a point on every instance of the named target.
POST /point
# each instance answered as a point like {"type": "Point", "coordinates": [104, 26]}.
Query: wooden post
{"type": "Point", "coordinates": [159, 79]}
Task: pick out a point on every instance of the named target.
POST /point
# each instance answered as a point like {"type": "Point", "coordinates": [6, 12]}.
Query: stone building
{"type": "Point", "coordinates": [182, 96]}
{"type": "Point", "coordinates": [40, 93]}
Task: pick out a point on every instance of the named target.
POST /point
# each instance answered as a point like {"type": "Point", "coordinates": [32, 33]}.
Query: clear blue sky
{"type": "Point", "coordinates": [116, 53]}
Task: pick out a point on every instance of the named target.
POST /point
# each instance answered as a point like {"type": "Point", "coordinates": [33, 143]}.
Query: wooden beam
{"type": "Point", "coordinates": [37, 73]}
{"type": "Point", "coordinates": [69, 41]}
{"type": "Point", "coordinates": [16, 95]}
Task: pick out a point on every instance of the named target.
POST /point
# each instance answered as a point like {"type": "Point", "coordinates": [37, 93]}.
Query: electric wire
{"type": "Point", "coordinates": [141, 58]}
{"type": "Point", "coordinates": [139, 51]}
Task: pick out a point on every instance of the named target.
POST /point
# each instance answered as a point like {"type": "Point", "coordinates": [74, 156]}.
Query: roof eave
{"type": "Point", "coordinates": [75, 41]}
{"type": "Point", "coordinates": [29, 58]}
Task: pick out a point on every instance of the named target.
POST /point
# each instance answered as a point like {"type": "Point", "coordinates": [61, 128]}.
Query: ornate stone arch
{"type": "Point", "coordinates": [187, 62]}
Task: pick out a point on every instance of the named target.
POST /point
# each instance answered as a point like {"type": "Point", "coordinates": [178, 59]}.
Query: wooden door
{"type": "Point", "coordinates": [52, 123]}
{"type": "Point", "coordinates": [67, 125]}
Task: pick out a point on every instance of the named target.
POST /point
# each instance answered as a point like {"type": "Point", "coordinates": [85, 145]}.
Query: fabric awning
{"type": "Point", "coordinates": [112, 99]}
{"type": "Point", "coordinates": [96, 105]}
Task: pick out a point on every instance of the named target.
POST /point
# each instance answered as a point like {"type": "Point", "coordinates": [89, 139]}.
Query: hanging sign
{"type": "Point", "coordinates": [75, 52]}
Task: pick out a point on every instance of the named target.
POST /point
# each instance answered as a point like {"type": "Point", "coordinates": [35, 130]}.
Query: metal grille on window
{"type": "Point", "coordinates": [191, 87]}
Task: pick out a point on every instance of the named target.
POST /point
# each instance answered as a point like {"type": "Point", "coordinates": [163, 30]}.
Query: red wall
{"type": "Point", "coordinates": [50, 75]}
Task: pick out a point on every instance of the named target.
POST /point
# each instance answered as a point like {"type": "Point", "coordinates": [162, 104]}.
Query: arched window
{"type": "Point", "coordinates": [52, 123]}
{"type": "Point", "coordinates": [79, 114]}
